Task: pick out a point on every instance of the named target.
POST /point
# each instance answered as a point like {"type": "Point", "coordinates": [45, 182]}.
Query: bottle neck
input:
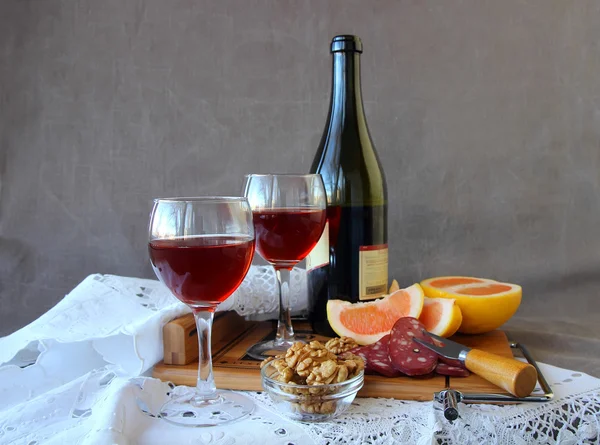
{"type": "Point", "coordinates": [346, 96]}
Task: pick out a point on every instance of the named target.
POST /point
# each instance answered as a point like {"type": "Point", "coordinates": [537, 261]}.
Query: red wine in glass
{"type": "Point", "coordinates": [289, 214]}
{"type": "Point", "coordinates": [284, 236]}
{"type": "Point", "coordinates": [201, 248]}
{"type": "Point", "coordinates": [202, 270]}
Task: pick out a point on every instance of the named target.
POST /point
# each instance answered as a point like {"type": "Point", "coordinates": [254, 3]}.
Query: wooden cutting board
{"type": "Point", "coordinates": [233, 369]}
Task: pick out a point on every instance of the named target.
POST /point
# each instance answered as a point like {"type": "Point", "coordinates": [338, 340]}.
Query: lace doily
{"type": "Point", "coordinates": [73, 376]}
{"type": "Point", "coordinates": [258, 293]}
{"type": "Point", "coordinates": [572, 418]}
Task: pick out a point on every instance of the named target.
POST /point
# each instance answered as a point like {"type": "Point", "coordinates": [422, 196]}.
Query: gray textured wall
{"type": "Point", "coordinates": [485, 115]}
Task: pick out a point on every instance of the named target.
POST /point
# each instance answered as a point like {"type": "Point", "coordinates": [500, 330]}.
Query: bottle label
{"type": "Point", "coordinates": [319, 256]}
{"type": "Point", "coordinates": [372, 271]}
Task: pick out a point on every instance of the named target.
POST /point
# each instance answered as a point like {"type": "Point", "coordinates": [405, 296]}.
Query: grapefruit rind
{"type": "Point", "coordinates": [481, 313]}
{"type": "Point", "coordinates": [368, 322]}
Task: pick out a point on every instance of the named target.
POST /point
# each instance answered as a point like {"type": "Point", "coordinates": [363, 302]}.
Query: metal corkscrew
{"type": "Point", "coordinates": [449, 399]}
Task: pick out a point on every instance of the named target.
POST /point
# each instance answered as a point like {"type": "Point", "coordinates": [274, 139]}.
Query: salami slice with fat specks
{"type": "Point", "coordinates": [454, 371]}
{"type": "Point", "coordinates": [376, 357]}
{"type": "Point", "coordinates": [361, 351]}
{"type": "Point", "coordinates": [379, 358]}
{"type": "Point", "coordinates": [408, 356]}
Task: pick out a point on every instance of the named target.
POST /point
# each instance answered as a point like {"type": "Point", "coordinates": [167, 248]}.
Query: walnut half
{"type": "Point", "coordinates": [328, 372]}
{"type": "Point", "coordinates": [341, 345]}
{"type": "Point", "coordinates": [354, 363]}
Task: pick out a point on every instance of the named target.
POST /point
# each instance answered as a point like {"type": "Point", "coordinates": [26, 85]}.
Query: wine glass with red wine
{"type": "Point", "coordinates": [201, 249]}
{"type": "Point", "coordinates": [289, 216]}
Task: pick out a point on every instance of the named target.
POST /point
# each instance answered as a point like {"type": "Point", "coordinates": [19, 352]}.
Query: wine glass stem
{"type": "Point", "coordinates": [285, 332]}
{"type": "Point", "coordinates": [206, 389]}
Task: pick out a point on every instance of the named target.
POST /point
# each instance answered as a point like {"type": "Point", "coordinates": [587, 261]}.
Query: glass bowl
{"type": "Point", "coordinates": [310, 403]}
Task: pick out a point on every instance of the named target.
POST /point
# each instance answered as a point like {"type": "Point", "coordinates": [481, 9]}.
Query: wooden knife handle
{"type": "Point", "coordinates": [516, 377]}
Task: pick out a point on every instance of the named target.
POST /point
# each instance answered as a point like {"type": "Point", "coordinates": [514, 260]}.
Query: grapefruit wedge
{"type": "Point", "coordinates": [368, 322]}
{"type": "Point", "coordinates": [485, 304]}
{"type": "Point", "coordinates": [441, 316]}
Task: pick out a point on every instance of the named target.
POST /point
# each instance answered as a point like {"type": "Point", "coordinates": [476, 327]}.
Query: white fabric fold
{"type": "Point", "coordinates": [123, 316]}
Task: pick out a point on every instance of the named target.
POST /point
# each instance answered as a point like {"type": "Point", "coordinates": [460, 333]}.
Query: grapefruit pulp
{"type": "Point", "coordinates": [368, 322]}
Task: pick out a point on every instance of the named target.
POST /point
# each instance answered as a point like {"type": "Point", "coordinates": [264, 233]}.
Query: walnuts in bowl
{"type": "Point", "coordinates": [314, 364]}
{"type": "Point", "coordinates": [306, 369]}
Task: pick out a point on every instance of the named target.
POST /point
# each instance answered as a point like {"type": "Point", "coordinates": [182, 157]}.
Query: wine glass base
{"type": "Point", "coordinates": [266, 349]}
{"type": "Point", "coordinates": [185, 409]}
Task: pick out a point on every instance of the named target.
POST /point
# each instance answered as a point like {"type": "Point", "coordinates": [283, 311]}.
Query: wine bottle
{"type": "Point", "coordinates": [350, 262]}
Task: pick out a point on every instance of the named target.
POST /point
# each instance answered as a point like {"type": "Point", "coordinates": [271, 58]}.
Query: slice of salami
{"type": "Point", "coordinates": [406, 355]}
{"type": "Point", "coordinates": [454, 371]}
{"type": "Point", "coordinates": [379, 358]}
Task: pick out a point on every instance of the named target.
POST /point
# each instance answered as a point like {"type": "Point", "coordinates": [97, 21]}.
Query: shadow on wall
{"type": "Point", "coordinates": [17, 267]}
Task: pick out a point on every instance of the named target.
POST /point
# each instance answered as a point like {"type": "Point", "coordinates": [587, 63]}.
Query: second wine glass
{"type": "Point", "coordinates": [289, 215]}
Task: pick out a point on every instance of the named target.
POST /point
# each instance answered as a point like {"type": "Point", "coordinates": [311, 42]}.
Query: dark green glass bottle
{"type": "Point", "coordinates": [352, 264]}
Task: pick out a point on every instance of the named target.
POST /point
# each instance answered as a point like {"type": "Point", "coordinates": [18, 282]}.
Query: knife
{"type": "Point", "coordinates": [516, 377]}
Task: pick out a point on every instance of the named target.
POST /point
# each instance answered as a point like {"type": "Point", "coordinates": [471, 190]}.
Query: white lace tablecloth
{"type": "Point", "coordinates": [76, 375]}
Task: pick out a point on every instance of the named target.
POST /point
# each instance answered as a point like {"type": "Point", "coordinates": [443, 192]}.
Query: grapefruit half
{"type": "Point", "coordinates": [368, 322]}
{"type": "Point", "coordinates": [485, 304]}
